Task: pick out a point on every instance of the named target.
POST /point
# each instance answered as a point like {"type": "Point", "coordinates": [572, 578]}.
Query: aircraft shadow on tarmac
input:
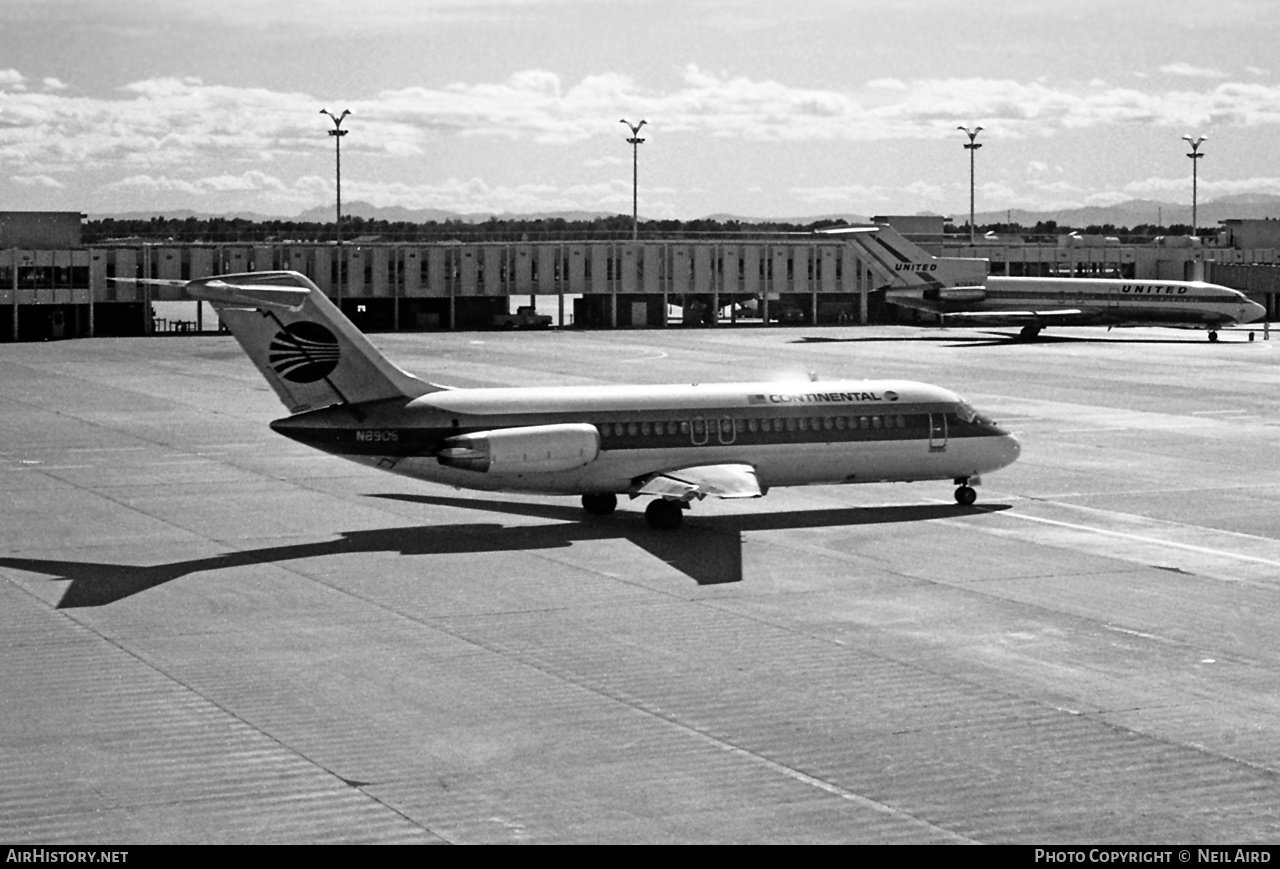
{"type": "Point", "coordinates": [708, 549]}
{"type": "Point", "coordinates": [1002, 339]}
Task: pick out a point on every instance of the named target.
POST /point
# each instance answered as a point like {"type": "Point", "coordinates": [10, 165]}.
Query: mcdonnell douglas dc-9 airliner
{"type": "Point", "coordinates": [959, 291]}
{"type": "Point", "coordinates": [672, 443]}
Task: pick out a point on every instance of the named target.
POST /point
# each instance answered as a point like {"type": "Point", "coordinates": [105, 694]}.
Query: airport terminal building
{"type": "Point", "coordinates": [54, 287]}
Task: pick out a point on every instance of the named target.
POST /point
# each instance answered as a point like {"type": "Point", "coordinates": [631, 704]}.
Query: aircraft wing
{"type": "Point", "coordinates": [685, 484]}
{"type": "Point", "coordinates": [1049, 317]}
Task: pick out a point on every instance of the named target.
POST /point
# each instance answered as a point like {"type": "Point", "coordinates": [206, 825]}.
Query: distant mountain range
{"type": "Point", "coordinates": [1135, 212]}
{"type": "Point", "coordinates": [325, 214]}
{"type": "Point", "coordinates": [1244, 206]}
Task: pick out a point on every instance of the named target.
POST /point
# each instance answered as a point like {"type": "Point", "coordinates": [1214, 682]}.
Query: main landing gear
{"type": "Point", "coordinates": [1213, 336]}
{"type": "Point", "coordinates": [1029, 333]}
{"type": "Point", "coordinates": [600, 504]}
{"type": "Point", "coordinates": [661, 513]}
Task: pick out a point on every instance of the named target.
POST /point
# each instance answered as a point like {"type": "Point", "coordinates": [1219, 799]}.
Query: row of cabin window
{"type": "Point", "coordinates": [754, 424]}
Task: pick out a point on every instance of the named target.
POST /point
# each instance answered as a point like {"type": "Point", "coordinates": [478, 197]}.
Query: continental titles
{"type": "Point", "coordinates": [820, 397]}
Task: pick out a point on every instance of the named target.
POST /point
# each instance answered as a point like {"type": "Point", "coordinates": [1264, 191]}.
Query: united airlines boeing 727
{"type": "Point", "coordinates": [672, 443]}
{"type": "Point", "coordinates": [959, 290]}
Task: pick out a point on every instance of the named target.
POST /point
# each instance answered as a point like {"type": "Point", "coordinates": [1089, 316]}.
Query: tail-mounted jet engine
{"type": "Point", "coordinates": [956, 294]}
{"type": "Point", "coordinates": [529, 449]}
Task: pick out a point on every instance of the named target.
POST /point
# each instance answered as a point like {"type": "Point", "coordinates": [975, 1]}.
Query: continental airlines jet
{"type": "Point", "coordinates": [672, 443]}
{"type": "Point", "coordinates": [959, 290]}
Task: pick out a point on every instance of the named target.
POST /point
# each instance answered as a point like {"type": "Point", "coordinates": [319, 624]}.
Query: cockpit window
{"type": "Point", "coordinates": [965, 412]}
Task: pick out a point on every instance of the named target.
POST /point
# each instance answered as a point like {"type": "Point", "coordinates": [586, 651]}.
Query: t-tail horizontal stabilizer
{"type": "Point", "coordinates": [252, 296]}
{"type": "Point", "coordinates": [902, 263]}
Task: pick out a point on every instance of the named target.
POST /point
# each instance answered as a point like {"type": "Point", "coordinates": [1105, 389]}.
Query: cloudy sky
{"type": "Point", "coordinates": [759, 108]}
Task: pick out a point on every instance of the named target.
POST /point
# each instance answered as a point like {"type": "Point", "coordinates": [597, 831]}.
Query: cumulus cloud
{"type": "Point", "coordinates": [171, 122]}
{"type": "Point", "coordinates": [203, 140]}
{"type": "Point", "coordinates": [37, 181]}
{"type": "Point", "coordinates": [477, 195]}
{"type": "Point", "coordinates": [217, 192]}
{"type": "Point", "coordinates": [935, 193]}
{"type": "Point", "coordinates": [1106, 198]}
{"type": "Point", "coordinates": [1176, 189]}
{"type": "Point", "coordinates": [1192, 71]}
{"type": "Point", "coordinates": [846, 195]}
{"type": "Point", "coordinates": [889, 84]}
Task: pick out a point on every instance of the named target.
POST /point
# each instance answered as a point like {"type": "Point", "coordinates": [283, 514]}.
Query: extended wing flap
{"type": "Point", "coordinates": [685, 484]}
{"type": "Point", "coordinates": [1059, 316]}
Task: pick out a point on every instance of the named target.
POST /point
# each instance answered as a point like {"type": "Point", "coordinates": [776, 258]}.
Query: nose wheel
{"type": "Point", "coordinates": [966, 495]}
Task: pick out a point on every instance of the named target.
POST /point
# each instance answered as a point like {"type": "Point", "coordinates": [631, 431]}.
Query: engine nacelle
{"type": "Point", "coordinates": [963, 294]}
{"type": "Point", "coordinates": [535, 449]}
{"type": "Point", "coordinates": [956, 294]}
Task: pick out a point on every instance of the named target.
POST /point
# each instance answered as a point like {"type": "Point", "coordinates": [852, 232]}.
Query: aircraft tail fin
{"type": "Point", "coordinates": [904, 264]}
{"type": "Point", "coordinates": [309, 352]}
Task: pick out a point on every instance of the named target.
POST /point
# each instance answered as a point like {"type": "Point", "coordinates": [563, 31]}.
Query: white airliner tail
{"type": "Point", "coordinates": [903, 264]}
{"type": "Point", "coordinates": [309, 352]}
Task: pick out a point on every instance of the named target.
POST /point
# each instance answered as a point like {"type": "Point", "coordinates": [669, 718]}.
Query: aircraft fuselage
{"type": "Point", "coordinates": [1090, 301]}
{"type": "Point", "coordinates": [602, 439]}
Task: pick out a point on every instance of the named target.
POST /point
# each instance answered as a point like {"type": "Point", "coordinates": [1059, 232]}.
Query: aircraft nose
{"type": "Point", "coordinates": [1253, 312]}
{"type": "Point", "coordinates": [1010, 449]}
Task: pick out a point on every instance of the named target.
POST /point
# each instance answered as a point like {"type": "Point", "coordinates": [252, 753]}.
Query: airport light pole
{"type": "Point", "coordinates": [337, 132]}
{"type": "Point", "coordinates": [972, 147]}
{"type": "Point", "coordinates": [635, 142]}
{"type": "Point", "coordinates": [1195, 156]}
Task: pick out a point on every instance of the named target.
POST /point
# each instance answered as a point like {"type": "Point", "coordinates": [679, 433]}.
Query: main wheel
{"type": "Point", "coordinates": [1029, 333]}
{"type": "Point", "coordinates": [664, 514]}
{"type": "Point", "coordinates": [966, 495]}
{"type": "Point", "coordinates": [600, 504]}
{"type": "Point", "coordinates": [1213, 335]}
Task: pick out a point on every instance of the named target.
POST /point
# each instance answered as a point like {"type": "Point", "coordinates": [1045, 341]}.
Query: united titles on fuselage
{"type": "Point", "coordinates": [1153, 289]}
